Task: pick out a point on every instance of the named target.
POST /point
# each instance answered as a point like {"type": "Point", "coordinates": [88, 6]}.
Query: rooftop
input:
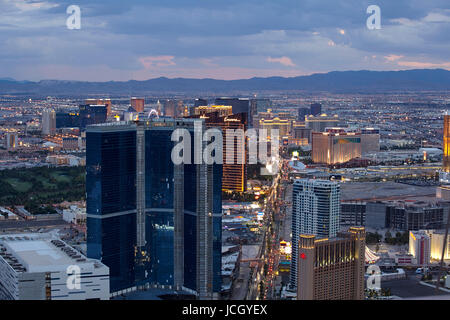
{"type": "Point", "coordinates": [40, 253]}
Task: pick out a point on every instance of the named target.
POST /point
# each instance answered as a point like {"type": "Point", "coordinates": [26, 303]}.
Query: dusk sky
{"type": "Point", "coordinates": [221, 39]}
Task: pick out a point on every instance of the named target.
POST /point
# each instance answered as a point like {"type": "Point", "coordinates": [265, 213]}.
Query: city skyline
{"type": "Point", "coordinates": [225, 153]}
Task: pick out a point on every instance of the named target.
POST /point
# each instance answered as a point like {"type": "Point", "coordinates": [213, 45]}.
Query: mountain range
{"type": "Point", "coordinates": [336, 81]}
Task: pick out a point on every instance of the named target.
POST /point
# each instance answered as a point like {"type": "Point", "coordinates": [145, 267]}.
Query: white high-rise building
{"type": "Point", "coordinates": [315, 211]}
{"type": "Point", "coordinates": [39, 266]}
{"type": "Point", "coordinates": [48, 122]}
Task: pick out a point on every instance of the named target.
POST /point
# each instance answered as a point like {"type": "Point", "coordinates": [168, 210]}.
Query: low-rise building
{"type": "Point", "coordinates": [75, 215]}
{"type": "Point", "coordinates": [36, 266]}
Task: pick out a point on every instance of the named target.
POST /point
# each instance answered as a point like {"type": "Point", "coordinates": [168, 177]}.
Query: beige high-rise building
{"type": "Point", "coordinates": [443, 191]}
{"type": "Point", "coordinates": [332, 269]}
{"type": "Point", "coordinates": [370, 140]}
{"type": "Point", "coordinates": [335, 146]}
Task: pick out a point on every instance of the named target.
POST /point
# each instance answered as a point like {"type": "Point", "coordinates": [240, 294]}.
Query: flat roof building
{"type": "Point", "coordinates": [35, 266]}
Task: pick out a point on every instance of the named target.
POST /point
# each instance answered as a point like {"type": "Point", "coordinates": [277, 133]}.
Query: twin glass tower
{"type": "Point", "coordinates": [150, 221]}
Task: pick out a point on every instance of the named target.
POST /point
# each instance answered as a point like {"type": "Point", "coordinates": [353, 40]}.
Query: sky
{"type": "Point", "coordinates": [221, 39]}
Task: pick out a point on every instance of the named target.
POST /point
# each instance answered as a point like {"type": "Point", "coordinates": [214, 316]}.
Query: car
{"type": "Point", "coordinates": [422, 270]}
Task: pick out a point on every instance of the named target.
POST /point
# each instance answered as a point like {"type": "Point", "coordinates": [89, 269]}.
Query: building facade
{"type": "Point", "coordinates": [332, 269]}
{"type": "Point", "coordinates": [315, 109]}
{"type": "Point", "coordinates": [173, 108]}
{"type": "Point", "coordinates": [48, 122]}
{"type": "Point", "coordinates": [149, 220]}
{"type": "Point", "coordinates": [443, 191]}
{"type": "Point", "coordinates": [12, 140]}
{"type": "Point", "coordinates": [137, 104]}
{"type": "Point", "coordinates": [419, 247]}
{"type": "Point", "coordinates": [335, 146]}
{"type": "Point", "coordinates": [370, 140]}
{"type": "Point", "coordinates": [105, 102]}
{"type": "Point", "coordinates": [234, 178]}
{"type": "Point", "coordinates": [319, 123]}
{"type": "Point", "coordinates": [92, 114]}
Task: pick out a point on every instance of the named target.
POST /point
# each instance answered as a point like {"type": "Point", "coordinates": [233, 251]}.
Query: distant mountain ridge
{"type": "Point", "coordinates": [335, 81]}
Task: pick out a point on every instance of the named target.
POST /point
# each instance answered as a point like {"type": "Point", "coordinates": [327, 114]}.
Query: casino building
{"type": "Point", "coordinates": [332, 269]}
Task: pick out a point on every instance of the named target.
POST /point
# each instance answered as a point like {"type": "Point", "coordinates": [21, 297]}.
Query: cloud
{"type": "Point", "coordinates": [393, 57]}
{"type": "Point", "coordinates": [157, 61]}
{"type": "Point", "coordinates": [285, 61]}
{"type": "Point", "coordinates": [424, 65]}
{"type": "Point", "coordinates": [219, 39]}
{"type": "Point", "coordinates": [27, 5]}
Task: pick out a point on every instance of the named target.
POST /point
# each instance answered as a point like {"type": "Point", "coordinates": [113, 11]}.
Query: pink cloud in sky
{"type": "Point", "coordinates": [398, 60]}
{"type": "Point", "coordinates": [285, 61]}
{"type": "Point", "coordinates": [157, 61]}
{"type": "Point", "coordinates": [424, 65]}
{"type": "Point", "coordinates": [393, 57]}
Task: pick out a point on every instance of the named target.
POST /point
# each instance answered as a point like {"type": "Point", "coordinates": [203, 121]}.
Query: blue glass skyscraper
{"type": "Point", "coordinates": [150, 221]}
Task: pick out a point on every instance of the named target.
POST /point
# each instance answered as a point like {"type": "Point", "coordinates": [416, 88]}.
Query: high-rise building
{"type": "Point", "coordinates": [106, 102]}
{"type": "Point", "coordinates": [315, 211]}
{"type": "Point", "coordinates": [37, 266]}
{"type": "Point", "coordinates": [239, 105]}
{"type": "Point", "coordinates": [67, 119]}
{"type": "Point", "coordinates": [427, 245]}
{"type": "Point", "coordinates": [406, 215]}
{"type": "Point", "coordinates": [221, 111]}
{"type": "Point", "coordinates": [370, 140]}
{"type": "Point", "coordinates": [300, 132]}
{"type": "Point", "coordinates": [315, 109]}
{"type": "Point", "coordinates": [261, 105]}
{"type": "Point", "coordinates": [200, 103]}
{"type": "Point", "coordinates": [419, 247]}
{"type": "Point", "coordinates": [92, 114]}
{"type": "Point", "coordinates": [149, 220]}
{"type": "Point", "coordinates": [303, 113]}
{"type": "Point", "coordinates": [443, 191]}
{"type": "Point", "coordinates": [137, 104]}
{"type": "Point", "coordinates": [258, 105]}
{"type": "Point", "coordinates": [353, 214]}
{"type": "Point", "coordinates": [173, 108]}
{"type": "Point", "coordinates": [284, 126]}
{"type": "Point", "coordinates": [48, 122]}
{"type": "Point", "coordinates": [332, 269]}
{"type": "Point", "coordinates": [11, 140]}
{"type": "Point", "coordinates": [335, 146]}
{"type": "Point", "coordinates": [234, 175]}
{"type": "Point", "coordinates": [437, 243]}
{"type": "Point", "coordinates": [320, 123]}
